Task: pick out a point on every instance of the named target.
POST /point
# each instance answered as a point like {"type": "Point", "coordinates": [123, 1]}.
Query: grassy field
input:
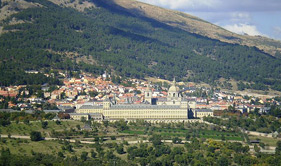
{"type": "Point", "coordinates": [266, 140]}
{"type": "Point", "coordinates": [183, 132]}
{"type": "Point", "coordinates": [27, 147]}
{"type": "Point", "coordinates": [22, 146]}
{"type": "Point", "coordinates": [25, 129]}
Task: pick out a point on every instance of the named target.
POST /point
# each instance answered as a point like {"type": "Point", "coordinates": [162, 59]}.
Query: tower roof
{"type": "Point", "coordinates": [106, 99]}
{"type": "Point", "coordinates": [148, 87]}
{"type": "Point", "coordinates": [174, 87]}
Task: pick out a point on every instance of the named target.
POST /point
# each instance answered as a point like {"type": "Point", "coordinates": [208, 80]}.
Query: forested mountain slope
{"type": "Point", "coordinates": [196, 25]}
{"type": "Point", "coordinates": [106, 36]}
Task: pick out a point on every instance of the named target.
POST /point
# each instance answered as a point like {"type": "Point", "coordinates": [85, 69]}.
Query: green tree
{"type": "Point", "coordinates": [120, 149]}
{"type": "Point", "coordinates": [44, 124]}
{"type": "Point", "coordinates": [176, 140]}
{"type": "Point", "coordinates": [121, 125]}
{"type": "Point", "coordinates": [223, 161]}
{"type": "Point", "coordinates": [26, 121]}
{"type": "Point", "coordinates": [105, 123]}
{"type": "Point", "coordinates": [223, 137]}
{"type": "Point", "coordinates": [83, 119]}
{"type": "Point", "coordinates": [155, 139]}
{"type": "Point", "coordinates": [60, 154]}
{"type": "Point", "coordinates": [69, 148]}
{"type": "Point", "coordinates": [93, 154]}
{"type": "Point", "coordinates": [257, 149]}
{"type": "Point", "coordinates": [278, 148]}
{"type": "Point", "coordinates": [84, 156]}
{"type": "Point", "coordinates": [5, 157]}
{"type": "Point", "coordinates": [35, 136]}
{"type": "Point", "coordinates": [262, 145]}
{"type": "Point", "coordinates": [58, 122]}
{"type": "Point", "coordinates": [78, 127]}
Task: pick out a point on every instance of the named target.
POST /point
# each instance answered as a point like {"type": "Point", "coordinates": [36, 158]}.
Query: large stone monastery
{"type": "Point", "coordinates": [171, 109]}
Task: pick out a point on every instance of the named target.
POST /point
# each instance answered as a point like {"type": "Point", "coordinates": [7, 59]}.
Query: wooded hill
{"type": "Point", "coordinates": [110, 37]}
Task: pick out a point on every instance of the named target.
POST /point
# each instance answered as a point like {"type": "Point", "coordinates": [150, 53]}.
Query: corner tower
{"type": "Point", "coordinates": [148, 95]}
{"type": "Point", "coordinates": [106, 104]}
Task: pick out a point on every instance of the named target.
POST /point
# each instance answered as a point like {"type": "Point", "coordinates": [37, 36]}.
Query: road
{"type": "Point", "coordinates": [84, 142]}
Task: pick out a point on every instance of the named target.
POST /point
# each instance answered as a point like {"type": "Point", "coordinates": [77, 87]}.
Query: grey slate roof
{"type": "Point", "coordinates": [95, 113]}
{"type": "Point", "coordinates": [162, 99]}
{"type": "Point", "coordinates": [63, 108]}
{"type": "Point", "coordinates": [29, 111]}
{"type": "Point", "coordinates": [90, 107]}
{"type": "Point", "coordinates": [184, 99]}
{"type": "Point", "coordinates": [8, 110]}
{"type": "Point", "coordinates": [56, 118]}
{"type": "Point", "coordinates": [144, 106]}
{"type": "Point", "coordinates": [78, 114]}
{"type": "Point", "coordinates": [203, 110]}
{"type": "Point", "coordinates": [106, 99]}
{"type": "Point", "coordinates": [51, 111]}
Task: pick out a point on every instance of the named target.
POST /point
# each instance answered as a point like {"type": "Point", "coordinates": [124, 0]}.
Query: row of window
{"type": "Point", "coordinates": [149, 117]}
{"type": "Point", "coordinates": [146, 112]}
{"type": "Point", "coordinates": [204, 114]}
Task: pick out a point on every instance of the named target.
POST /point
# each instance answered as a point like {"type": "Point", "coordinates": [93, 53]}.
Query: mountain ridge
{"type": "Point", "coordinates": [199, 26]}
{"type": "Point", "coordinates": [173, 18]}
{"type": "Point", "coordinates": [116, 39]}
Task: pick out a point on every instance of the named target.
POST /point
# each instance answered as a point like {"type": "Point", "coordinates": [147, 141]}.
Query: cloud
{"type": "Point", "coordinates": [239, 16]}
{"type": "Point", "coordinates": [182, 4]}
{"type": "Point", "coordinates": [277, 30]}
{"type": "Point", "coordinates": [243, 29]}
{"type": "Point", "coordinates": [219, 5]}
{"type": "Point", "coordinates": [276, 33]}
{"type": "Point", "coordinates": [220, 18]}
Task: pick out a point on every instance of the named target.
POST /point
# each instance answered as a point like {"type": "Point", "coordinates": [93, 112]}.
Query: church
{"type": "Point", "coordinates": [174, 108]}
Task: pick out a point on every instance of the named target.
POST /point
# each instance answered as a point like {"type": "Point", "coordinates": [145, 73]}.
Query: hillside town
{"type": "Point", "coordinates": [87, 89]}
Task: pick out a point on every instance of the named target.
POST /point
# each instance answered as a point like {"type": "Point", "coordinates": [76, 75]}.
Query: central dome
{"type": "Point", "coordinates": [174, 88]}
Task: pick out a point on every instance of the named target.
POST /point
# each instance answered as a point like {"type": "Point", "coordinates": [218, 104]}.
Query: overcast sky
{"type": "Point", "coordinates": [253, 17]}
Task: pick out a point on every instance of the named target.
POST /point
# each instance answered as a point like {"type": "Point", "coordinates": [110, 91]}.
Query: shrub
{"type": "Point", "coordinates": [35, 136]}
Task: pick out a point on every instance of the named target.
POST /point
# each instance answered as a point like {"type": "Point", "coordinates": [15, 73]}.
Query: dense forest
{"type": "Point", "coordinates": [129, 45]}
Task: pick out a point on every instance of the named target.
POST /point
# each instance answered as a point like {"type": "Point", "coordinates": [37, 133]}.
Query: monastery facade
{"type": "Point", "coordinates": [172, 108]}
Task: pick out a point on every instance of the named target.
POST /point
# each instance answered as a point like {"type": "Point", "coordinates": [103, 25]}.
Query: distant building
{"type": "Point", "coordinates": [56, 118]}
{"type": "Point", "coordinates": [8, 110]}
{"type": "Point", "coordinates": [174, 108]}
{"type": "Point", "coordinates": [86, 116]}
{"type": "Point", "coordinates": [31, 71]}
{"type": "Point", "coordinates": [200, 113]}
{"type": "Point", "coordinates": [66, 109]}
{"type": "Point", "coordinates": [52, 111]}
{"type": "Point", "coordinates": [79, 116]}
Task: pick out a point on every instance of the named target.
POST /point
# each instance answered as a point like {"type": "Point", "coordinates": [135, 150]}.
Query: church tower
{"type": "Point", "coordinates": [148, 95]}
{"type": "Point", "coordinates": [106, 103]}
{"type": "Point", "coordinates": [174, 96]}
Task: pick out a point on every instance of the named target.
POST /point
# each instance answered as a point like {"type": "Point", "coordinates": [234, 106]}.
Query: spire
{"type": "Point", "coordinates": [174, 87]}
{"type": "Point", "coordinates": [114, 98]}
{"type": "Point", "coordinates": [106, 99]}
{"type": "Point", "coordinates": [174, 81]}
{"type": "Point", "coordinates": [148, 87]}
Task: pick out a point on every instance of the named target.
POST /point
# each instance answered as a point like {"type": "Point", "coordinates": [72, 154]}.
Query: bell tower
{"type": "Point", "coordinates": [148, 94]}
{"type": "Point", "coordinates": [106, 104]}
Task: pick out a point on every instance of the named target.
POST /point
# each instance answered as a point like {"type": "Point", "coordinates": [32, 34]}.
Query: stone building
{"type": "Point", "coordinates": [173, 108]}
